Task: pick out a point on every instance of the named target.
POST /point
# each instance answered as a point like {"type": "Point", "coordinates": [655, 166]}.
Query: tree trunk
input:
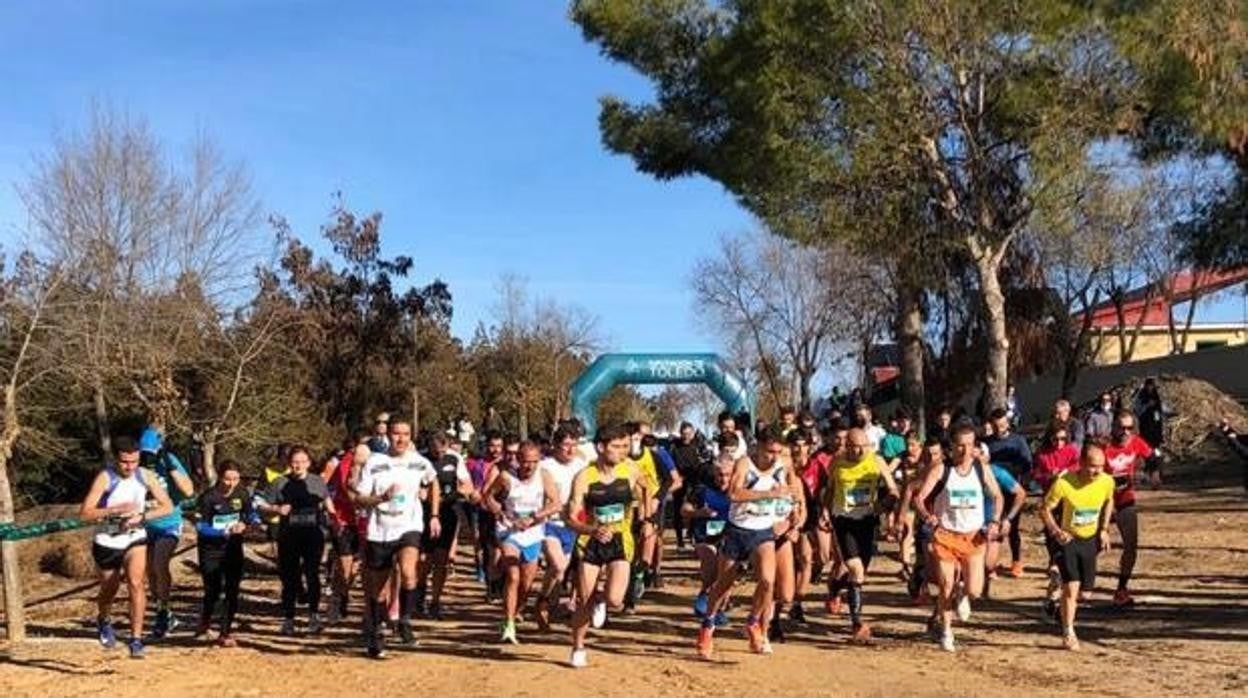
{"type": "Point", "coordinates": [14, 609]}
{"type": "Point", "coordinates": [804, 377]}
{"type": "Point", "coordinates": [996, 374]}
{"type": "Point", "coordinates": [101, 418]}
{"type": "Point", "coordinates": [910, 337]}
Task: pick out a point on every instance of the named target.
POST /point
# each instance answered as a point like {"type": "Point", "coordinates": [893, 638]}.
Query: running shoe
{"type": "Point", "coordinates": [1016, 569]}
{"type": "Point", "coordinates": [964, 606]}
{"type": "Point", "coordinates": [161, 627]}
{"type": "Point", "coordinates": [766, 648]}
{"type": "Point", "coordinates": [509, 632]}
{"type": "Point", "coordinates": [202, 628]}
{"type": "Point", "coordinates": [721, 619]}
{"type": "Point", "coordinates": [796, 613]}
{"type": "Point", "coordinates": [107, 635]}
{"type": "Point", "coordinates": [136, 649]}
{"type": "Point", "coordinates": [288, 626]}
{"type": "Point", "coordinates": [946, 641]}
{"type": "Point", "coordinates": [639, 587]}
{"type": "Point", "coordinates": [754, 633]}
{"type": "Point", "coordinates": [706, 640]}
{"type": "Point", "coordinates": [376, 651]}
{"type": "Point", "coordinates": [435, 611]}
{"type": "Point", "coordinates": [1050, 610]}
{"type": "Point", "coordinates": [580, 658]}
{"type": "Point", "coordinates": [934, 630]}
{"type": "Point", "coordinates": [599, 617]}
{"type": "Point", "coordinates": [404, 628]}
{"type": "Point", "coordinates": [1071, 642]}
{"type": "Point", "coordinates": [315, 626]}
{"type": "Point", "coordinates": [1122, 599]}
{"type": "Point", "coordinates": [700, 605]}
{"type": "Point", "coordinates": [862, 634]}
{"type": "Point", "coordinates": [775, 631]}
{"type": "Point", "coordinates": [226, 641]}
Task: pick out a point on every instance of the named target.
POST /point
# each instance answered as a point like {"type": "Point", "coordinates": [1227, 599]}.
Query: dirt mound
{"type": "Point", "coordinates": [1194, 408]}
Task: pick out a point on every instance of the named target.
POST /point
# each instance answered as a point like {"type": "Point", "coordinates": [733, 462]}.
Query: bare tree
{"type": "Point", "coordinates": [789, 302]}
{"type": "Point", "coordinates": [151, 248]}
{"type": "Point", "coordinates": [27, 342]}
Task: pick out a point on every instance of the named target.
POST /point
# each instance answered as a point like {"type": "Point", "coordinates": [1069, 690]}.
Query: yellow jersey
{"type": "Point", "coordinates": [854, 486]}
{"type": "Point", "coordinates": [1081, 502]}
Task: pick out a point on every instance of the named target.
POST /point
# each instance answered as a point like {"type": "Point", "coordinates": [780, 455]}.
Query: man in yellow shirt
{"type": "Point", "coordinates": [1086, 498]}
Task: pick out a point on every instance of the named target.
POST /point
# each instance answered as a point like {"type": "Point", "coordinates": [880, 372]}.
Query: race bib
{"type": "Point", "coordinates": [527, 513]}
{"type": "Point", "coordinates": [858, 497]}
{"type": "Point", "coordinates": [783, 507]}
{"type": "Point", "coordinates": [609, 513]}
{"type": "Point", "coordinates": [963, 499]}
{"type": "Point", "coordinates": [714, 527]}
{"type": "Point", "coordinates": [762, 507]}
{"type": "Point", "coordinates": [1084, 517]}
{"type": "Point", "coordinates": [221, 522]}
{"type": "Point", "coordinates": [304, 518]}
{"type": "Point", "coordinates": [113, 526]}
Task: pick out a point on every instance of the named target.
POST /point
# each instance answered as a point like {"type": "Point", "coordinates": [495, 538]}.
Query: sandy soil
{"type": "Point", "coordinates": [1188, 635]}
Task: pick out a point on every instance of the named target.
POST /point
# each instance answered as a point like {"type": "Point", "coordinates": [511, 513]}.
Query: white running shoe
{"type": "Point", "coordinates": [964, 607]}
{"type": "Point", "coordinates": [580, 658]}
{"type": "Point", "coordinates": [599, 616]}
{"type": "Point", "coordinates": [946, 641]}
{"type": "Point", "coordinates": [765, 648]}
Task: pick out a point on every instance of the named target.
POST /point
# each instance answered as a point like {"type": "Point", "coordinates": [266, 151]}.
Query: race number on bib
{"type": "Point", "coordinates": [1084, 517]}
{"type": "Point", "coordinates": [221, 522]}
{"type": "Point", "coordinates": [858, 497]}
{"type": "Point", "coordinates": [963, 499]}
{"type": "Point", "coordinates": [609, 513]}
{"type": "Point", "coordinates": [714, 527]}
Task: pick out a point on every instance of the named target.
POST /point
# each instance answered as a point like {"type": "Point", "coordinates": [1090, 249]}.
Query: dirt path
{"type": "Point", "coordinates": [1189, 635]}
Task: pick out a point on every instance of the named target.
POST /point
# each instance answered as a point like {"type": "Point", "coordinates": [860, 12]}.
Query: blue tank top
{"type": "Point", "coordinates": [719, 503]}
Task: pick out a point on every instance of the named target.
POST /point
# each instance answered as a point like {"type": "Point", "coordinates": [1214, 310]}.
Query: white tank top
{"type": "Point", "coordinates": [961, 502]}
{"type": "Point", "coordinates": [563, 474]}
{"type": "Point", "coordinates": [763, 513]}
{"type": "Point", "coordinates": [122, 490]}
{"type": "Point", "coordinates": [524, 499]}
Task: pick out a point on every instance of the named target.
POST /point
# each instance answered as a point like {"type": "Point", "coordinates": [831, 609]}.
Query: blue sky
{"type": "Point", "coordinates": [471, 124]}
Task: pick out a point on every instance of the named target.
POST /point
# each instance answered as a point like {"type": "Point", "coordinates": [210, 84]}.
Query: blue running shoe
{"type": "Point", "coordinates": [700, 605]}
{"type": "Point", "coordinates": [108, 636]}
{"type": "Point", "coordinates": [136, 649]}
{"type": "Point", "coordinates": [721, 619]}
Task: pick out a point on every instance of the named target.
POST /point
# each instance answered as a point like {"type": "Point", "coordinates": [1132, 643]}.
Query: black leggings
{"type": "Point", "coordinates": [1129, 529]}
{"type": "Point", "coordinates": [1016, 531]}
{"type": "Point", "coordinates": [299, 552]}
{"type": "Point", "coordinates": [221, 566]}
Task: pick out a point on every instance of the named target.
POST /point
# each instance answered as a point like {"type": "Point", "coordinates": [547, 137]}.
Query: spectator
{"type": "Point", "coordinates": [1074, 428]}
{"type": "Point", "coordinates": [1099, 424]}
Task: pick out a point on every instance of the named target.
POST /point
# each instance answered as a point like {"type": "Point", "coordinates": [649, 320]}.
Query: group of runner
{"type": "Point", "coordinates": [579, 522]}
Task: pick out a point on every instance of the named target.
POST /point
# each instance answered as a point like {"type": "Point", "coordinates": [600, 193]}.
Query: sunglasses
{"type": "Point", "coordinates": [1126, 427]}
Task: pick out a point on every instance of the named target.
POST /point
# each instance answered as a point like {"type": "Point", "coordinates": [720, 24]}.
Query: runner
{"type": "Point", "coordinates": [225, 512]}
{"type": "Point", "coordinates": [864, 420]}
{"type": "Point", "coordinates": [706, 509]}
{"type": "Point", "coordinates": [116, 502]}
{"type": "Point", "coordinates": [563, 465]}
{"type": "Point", "coordinates": [600, 510]}
{"type": "Point", "coordinates": [163, 533]}
{"type": "Point", "coordinates": [300, 499]}
{"type": "Point", "coordinates": [790, 517]}
{"type": "Point", "coordinates": [851, 499]}
{"type": "Point", "coordinates": [1014, 497]}
{"type": "Point", "coordinates": [960, 517]}
{"type": "Point", "coordinates": [906, 468]}
{"type": "Point", "coordinates": [345, 524]}
{"type": "Point", "coordinates": [1086, 500]}
{"type": "Point", "coordinates": [762, 496]}
{"type": "Point", "coordinates": [1057, 455]}
{"type": "Point", "coordinates": [454, 484]}
{"type": "Point", "coordinates": [1126, 453]}
{"type": "Point", "coordinates": [644, 564]}
{"type": "Point", "coordinates": [1010, 450]}
{"type": "Point", "coordinates": [389, 486]}
{"type": "Point", "coordinates": [480, 469]}
{"type": "Point", "coordinates": [529, 498]}
{"type": "Point", "coordinates": [691, 456]}
{"type": "Point", "coordinates": [923, 575]}
{"type": "Point", "coordinates": [810, 551]}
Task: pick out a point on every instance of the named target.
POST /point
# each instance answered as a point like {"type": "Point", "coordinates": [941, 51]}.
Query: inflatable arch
{"type": "Point", "coordinates": [610, 370]}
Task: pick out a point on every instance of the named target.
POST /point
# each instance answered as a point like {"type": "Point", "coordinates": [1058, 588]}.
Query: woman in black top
{"type": "Point", "coordinates": [225, 512]}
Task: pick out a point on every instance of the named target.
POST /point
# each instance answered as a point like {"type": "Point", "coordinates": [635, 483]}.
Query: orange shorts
{"type": "Point", "coordinates": [952, 546]}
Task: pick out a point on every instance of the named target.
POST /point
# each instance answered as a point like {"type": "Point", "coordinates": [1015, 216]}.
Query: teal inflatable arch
{"type": "Point", "coordinates": [610, 370]}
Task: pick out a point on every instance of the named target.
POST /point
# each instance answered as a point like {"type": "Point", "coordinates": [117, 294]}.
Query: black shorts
{"type": "Point", "coordinates": [161, 546]}
{"type": "Point", "coordinates": [114, 558]}
{"type": "Point", "coordinates": [346, 542]}
{"type": "Point", "coordinates": [740, 543]}
{"type": "Point", "coordinates": [382, 556]}
{"type": "Point", "coordinates": [856, 537]}
{"type": "Point", "coordinates": [449, 522]}
{"type": "Point", "coordinates": [1077, 562]}
{"type": "Point", "coordinates": [597, 553]}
